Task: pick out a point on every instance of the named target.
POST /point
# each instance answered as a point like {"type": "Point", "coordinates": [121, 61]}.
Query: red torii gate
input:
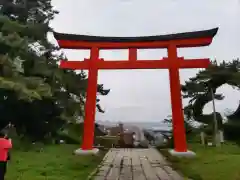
{"type": "Point", "coordinates": [173, 63]}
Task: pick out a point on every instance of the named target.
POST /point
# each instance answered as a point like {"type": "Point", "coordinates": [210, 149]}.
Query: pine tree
{"type": "Point", "coordinates": [29, 68]}
{"type": "Point", "coordinates": [198, 88]}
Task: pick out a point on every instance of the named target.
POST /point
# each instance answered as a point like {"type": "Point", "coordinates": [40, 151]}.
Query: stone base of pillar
{"type": "Point", "coordinates": [188, 154]}
{"type": "Point", "coordinates": [86, 152]}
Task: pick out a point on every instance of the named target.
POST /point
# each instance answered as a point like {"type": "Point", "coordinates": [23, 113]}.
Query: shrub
{"type": "Point", "coordinates": [106, 141]}
{"type": "Point", "coordinates": [232, 131]}
{"type": "Point", "coordinates": [143, 144]}
{"type": "Point", "coordinates": [69, 139]}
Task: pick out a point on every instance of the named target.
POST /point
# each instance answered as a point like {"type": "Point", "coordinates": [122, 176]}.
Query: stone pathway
{"type": "Point", "coordinates": [135, 164]}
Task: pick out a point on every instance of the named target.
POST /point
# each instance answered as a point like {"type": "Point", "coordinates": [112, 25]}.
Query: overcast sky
{"type": "Point", "coordinates": [143, 95]}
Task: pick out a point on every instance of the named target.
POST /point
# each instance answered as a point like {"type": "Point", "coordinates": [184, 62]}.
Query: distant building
{"type": "Point", "coordinates": [128, 138]}
{"type": "Point", "coordinates": [113, 131]}
{"type": "Point", "coordinates": [125, 135]}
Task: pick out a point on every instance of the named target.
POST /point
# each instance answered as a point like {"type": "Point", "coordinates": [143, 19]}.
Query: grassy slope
{"type": "Point", "coordinates": [211, 163]}
{"type": "Point", "coordinates": [53, 163]}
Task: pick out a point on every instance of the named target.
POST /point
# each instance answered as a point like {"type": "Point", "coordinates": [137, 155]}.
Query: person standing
{"type": "Point", "coordinates": [5, 146]}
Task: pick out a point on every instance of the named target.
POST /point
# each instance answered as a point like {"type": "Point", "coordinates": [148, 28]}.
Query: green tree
{"type": "Point", "coordinates": [42, 94]}
{"type": "Point", "coordinates": [198, 89]}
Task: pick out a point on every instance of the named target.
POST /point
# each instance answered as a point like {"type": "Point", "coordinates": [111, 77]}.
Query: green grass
{"type": "Point", "coordinates": [55, 162]}
{"type": "Point", "coordinates": [211, 163]}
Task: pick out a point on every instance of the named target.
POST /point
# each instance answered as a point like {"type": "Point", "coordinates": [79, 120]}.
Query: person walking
{"type": "Point", "coordinates": [5, 146]}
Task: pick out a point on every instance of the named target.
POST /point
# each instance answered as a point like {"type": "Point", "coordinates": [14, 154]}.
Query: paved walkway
{"type": "Point", "coordinates": [135, 164]}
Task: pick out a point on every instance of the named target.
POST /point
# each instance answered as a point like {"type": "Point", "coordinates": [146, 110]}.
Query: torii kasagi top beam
{"type": "Point", "coordinates": [173, 63]}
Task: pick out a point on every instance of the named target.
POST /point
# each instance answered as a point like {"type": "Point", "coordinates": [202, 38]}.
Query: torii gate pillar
{"type": "Point", "coordinates": [173, 63]}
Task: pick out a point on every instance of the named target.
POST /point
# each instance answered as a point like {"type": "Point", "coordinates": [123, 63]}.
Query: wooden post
{"type": "Point", "coordinates": [202, 135]}
{"type": "Point", "coordinates": [221, 136]}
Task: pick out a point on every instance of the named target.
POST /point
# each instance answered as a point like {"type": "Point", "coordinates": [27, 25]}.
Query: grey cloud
{"type": "Point", "coordinates": [144, 94]}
